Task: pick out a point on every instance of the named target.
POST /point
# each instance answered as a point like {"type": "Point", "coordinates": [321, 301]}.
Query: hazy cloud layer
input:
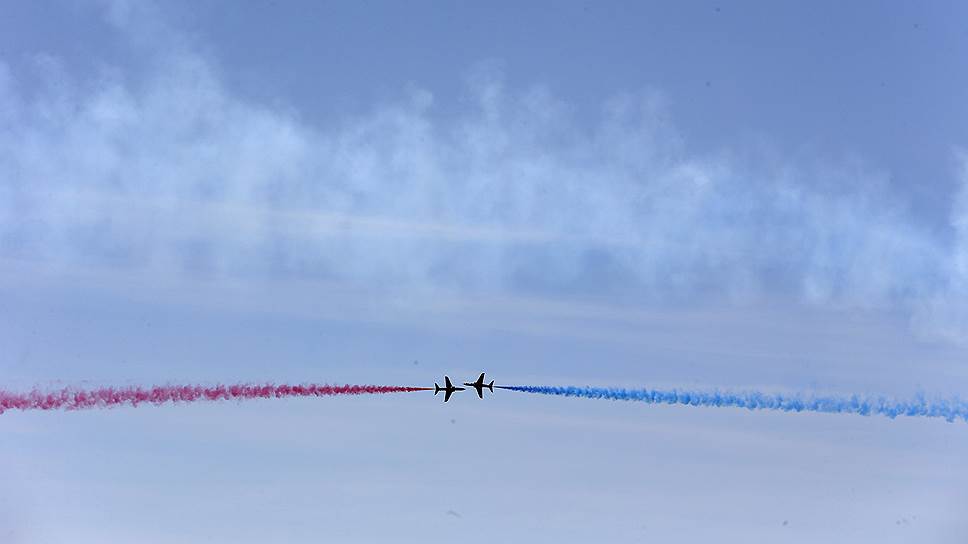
{"type": "Point", "coordinates": [945, 313]}
{"type": "Point", "coordinates": [173, 171]}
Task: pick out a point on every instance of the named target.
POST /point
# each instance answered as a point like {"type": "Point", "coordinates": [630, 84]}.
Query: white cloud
{"type": "Point", "coordinates": [944, 315]}
{"type": "Point", "coordinates": [173, 171]}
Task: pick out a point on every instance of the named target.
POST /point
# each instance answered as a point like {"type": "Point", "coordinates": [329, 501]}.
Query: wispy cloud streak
{"type": "Point", "coordinates": [950, 410]}
{"type": "Point", "coordinates": [512, 193]}
{"type": "Point", "coordinates": [517, 191]}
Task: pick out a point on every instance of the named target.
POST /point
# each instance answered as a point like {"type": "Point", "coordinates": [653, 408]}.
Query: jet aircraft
{"type": "Point", "coordinates": [448, 388]}
{"type": "Point", "coordinates": [480, 385]}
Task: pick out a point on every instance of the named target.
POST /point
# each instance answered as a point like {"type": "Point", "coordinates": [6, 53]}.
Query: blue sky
{"type": "Point", "coordinates": [759, 195]}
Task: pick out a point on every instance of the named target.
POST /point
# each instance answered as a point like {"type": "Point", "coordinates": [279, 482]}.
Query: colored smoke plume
{"type": "Point", "coordinates": [107, 397]}
{"type": "Point", "coordinates": [948, 409]}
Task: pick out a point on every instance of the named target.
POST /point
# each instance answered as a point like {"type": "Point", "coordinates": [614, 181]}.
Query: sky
{"type": "Point", "coordinates": [738, 196]}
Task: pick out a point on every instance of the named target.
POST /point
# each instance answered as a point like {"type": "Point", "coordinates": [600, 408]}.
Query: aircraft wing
{"type": "Point", "coordinates": [448, 385]}
{"type": "Point", "coordinates": [480, 391]}
{"type": "Point", "coordinates": [447, 394]}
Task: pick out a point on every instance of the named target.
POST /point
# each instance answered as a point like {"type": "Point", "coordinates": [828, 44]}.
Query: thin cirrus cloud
{"type": "Point", "coordinates": [173, 171]}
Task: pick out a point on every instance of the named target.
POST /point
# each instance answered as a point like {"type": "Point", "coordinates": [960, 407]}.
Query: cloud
{"type": "Point", "coordinates": [944, 314]}
{"type": "Point", "coordinates": [169, 170]}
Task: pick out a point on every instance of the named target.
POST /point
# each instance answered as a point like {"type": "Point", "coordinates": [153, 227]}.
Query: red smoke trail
{"type": "Point", "coordinates": [106, 397]}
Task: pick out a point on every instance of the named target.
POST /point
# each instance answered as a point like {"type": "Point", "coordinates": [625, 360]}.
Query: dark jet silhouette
{"type": "Point", "coordinates": [448, 389]}
{"type": "Point", "coordinates": [480, 385]}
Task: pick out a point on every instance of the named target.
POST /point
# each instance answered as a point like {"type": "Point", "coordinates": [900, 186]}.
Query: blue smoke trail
{"type": "Point", "coordinates": [950, 410]}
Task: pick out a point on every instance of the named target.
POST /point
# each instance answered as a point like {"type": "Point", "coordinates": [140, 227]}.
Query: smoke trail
{"type": "Point", "coordinates": [948, 409]}
{"type": "Point", "coordinates": [106, 397]}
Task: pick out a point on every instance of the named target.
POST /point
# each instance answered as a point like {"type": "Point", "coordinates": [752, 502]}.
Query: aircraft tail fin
{"type": "Point", "coordinates": [436, 388]}
{"type": "Point", "coordinates": [490, 386]}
